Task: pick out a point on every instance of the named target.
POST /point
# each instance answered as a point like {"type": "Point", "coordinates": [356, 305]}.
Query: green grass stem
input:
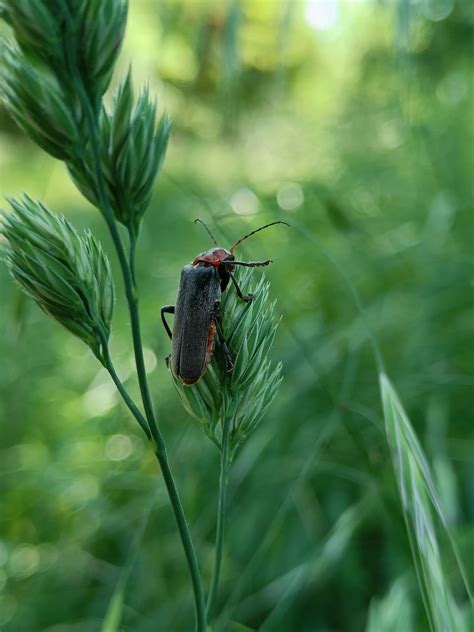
{"type": "Point", "coordinates": [221, 515]}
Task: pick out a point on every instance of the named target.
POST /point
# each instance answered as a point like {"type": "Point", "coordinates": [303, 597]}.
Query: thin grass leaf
{"type": "Point", "coordinates": [114, 612]}
{"type": "Point", "coordinates": [418, 499]}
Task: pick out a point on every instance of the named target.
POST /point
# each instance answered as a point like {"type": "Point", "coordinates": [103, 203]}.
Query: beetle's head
{"type": "Point", "coordinates": [213, 257]}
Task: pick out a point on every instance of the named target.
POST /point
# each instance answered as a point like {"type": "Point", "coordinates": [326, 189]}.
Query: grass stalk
{"type": "Point", "coordinates": [221, 515]}
{"type": "Point", "coordinates": [123, 391]}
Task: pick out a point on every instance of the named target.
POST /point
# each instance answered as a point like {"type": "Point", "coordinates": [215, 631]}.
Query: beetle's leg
{"type": "Point", "coordinates": [244, 297]}
{"type": "Point", "coordinates": [251, 264]}
{"type": "Point", "coordinates": [167, 309]}
{"type": "Point", "coordinates": [229, 365]}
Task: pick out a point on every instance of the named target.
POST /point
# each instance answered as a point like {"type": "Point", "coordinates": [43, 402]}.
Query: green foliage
{"type": "Point", "coordinates": [67, 274]}
{"type": "Point", "coordinates": [75, 287]}
{"type": "Point", "coordinates": [364, 131]}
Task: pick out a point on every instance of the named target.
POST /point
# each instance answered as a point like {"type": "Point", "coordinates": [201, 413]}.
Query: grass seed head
{"type": "Point", "coordinates": [67, 274]}
{"type": "Point", "coordinates": [133, 150]}
{"type": "Point", "coordinates": [248, 391]}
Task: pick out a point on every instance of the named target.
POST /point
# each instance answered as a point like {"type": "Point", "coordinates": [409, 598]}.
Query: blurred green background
{"type": "Point", "coordinates": [353, 121]}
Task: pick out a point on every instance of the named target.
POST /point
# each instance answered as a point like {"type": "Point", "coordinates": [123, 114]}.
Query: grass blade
{"type": "Point", "coordinates": [113, 616]}
{"type": "Point", "coordinates": [419, 498]}
{"type": "Point", "coordinates": [393, 612]}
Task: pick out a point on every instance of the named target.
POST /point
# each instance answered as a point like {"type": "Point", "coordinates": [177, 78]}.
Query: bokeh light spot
{"type": "Point", "coordinates": [244, 202]}
{"type": "Point", "coordinates": [436, 10]}
{"type": "Point", "coordinates": [452, 89]}
{"type": "Point", "coordinates": [290, 197]}
{"type": "Point", "coordinates": [100, 399]}
{"type": "Point", "coordinates": [322, 14]}
{"type": "Point", "coordinates": [24, 561]}
{"type": "Point", "coordinates": [83, 490]}
{"type": "Point", "coordinates": [118, 447]}
{"type": "Point", "coordinates": [391, 134]}
{"type": "Point", "coordinates": [150, 360]}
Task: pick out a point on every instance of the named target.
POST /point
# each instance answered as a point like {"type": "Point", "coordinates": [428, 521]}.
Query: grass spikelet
{"type": "Point", "coordinates": [247, 392]}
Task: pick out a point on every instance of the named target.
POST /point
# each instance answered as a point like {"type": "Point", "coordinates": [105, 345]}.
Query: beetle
{"type": "Point", "coordinates": [197, 317]}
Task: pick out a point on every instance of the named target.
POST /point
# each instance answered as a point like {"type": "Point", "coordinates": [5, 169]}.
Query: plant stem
{"type": "Point", "coordinates": [122, 390]}
{"type": "Point", "coordinates": [132, 299]}
{"type": "Point", "coordinates": [133, 236]}
{"type": "Point", "coordinates": [166, 471]}
{"type": "Point", "coordinates": [221, 514]}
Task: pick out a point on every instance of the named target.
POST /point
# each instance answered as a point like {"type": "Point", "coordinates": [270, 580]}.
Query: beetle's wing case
{"type": "Point", "coordinates": [199, 291]}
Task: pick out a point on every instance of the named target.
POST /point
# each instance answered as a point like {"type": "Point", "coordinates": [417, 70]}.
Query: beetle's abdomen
{"type": "Point", "coordinates": [207, 358]}
{"type": "Point", "coordinates": [194, 327]}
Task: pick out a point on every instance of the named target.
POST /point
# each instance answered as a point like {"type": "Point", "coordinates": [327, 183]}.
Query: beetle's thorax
{"type": "Point", "coordinates": [213, 257]}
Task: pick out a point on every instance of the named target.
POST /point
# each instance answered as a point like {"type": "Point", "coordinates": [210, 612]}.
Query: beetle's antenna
{"type": "Point", "coordinates": [253, 233]}
{"type": "Point", "coordinates": [199, 221]}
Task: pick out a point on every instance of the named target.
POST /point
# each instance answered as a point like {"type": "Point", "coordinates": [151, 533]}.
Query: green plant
{"type": "Point", "coordinates": [54, 76]}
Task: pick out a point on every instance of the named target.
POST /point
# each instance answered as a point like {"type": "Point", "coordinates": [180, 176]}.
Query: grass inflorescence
{"type": "Point", "coordinates": [67, 274]}
{"type": "Point", "coordinates": [246, 392]}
